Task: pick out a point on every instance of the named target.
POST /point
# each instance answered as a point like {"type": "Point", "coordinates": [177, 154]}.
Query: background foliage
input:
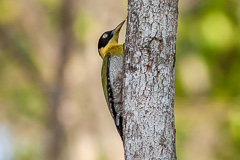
{"type": "Point", "coordinates": [52, 104]}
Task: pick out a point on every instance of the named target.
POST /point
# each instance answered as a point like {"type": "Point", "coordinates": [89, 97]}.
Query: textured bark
{"type": "Point", "coordinates": [149, 75]}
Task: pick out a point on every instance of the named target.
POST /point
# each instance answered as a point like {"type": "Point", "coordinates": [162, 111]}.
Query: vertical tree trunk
{"type": "Point", "coordinates": [148, 91]}
{"type": "Point", "coordinates": [56, 127]}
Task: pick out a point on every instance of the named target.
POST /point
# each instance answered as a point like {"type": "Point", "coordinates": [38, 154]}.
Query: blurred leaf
{"type": "Point", "coordinates": [17, 45]}
{"type": "Point", "coordinates": [217, 30]}
{"type": "Point", "coordinates": [7, 11]}
{"type": "Point", "coordinates": [82, 26]}
{"type": "Point", "coordinates": [52, 9]}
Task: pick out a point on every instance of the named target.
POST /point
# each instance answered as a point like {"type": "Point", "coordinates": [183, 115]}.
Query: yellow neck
{"type": "Point", "coordinates": [112, 48]}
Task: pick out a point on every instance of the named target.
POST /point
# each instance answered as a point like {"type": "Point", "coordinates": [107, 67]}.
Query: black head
{"type": "Point", "coordinates": [104, 39]}
{"type": "Point", "coordinates": [109, 37]}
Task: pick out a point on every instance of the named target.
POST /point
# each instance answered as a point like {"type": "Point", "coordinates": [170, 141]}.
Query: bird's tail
{"type": "Point", "coordinates": [119, 125]}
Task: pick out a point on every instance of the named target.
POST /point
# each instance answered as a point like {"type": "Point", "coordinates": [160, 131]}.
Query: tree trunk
{"type": "Point", "coordinates": [58, 134]}
{"type": "Point", "coordinates": [149, 77]}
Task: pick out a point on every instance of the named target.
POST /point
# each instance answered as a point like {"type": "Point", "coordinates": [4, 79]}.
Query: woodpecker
{"type": "Point", "coordinates": [112, 73]}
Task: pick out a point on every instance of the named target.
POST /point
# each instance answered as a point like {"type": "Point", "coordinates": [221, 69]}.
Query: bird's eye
{"type": "Point", "coordinates": [105, 36]}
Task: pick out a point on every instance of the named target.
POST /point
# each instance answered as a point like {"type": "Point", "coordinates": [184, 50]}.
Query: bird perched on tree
{"type": "Point", "coordinates": [112, 73]}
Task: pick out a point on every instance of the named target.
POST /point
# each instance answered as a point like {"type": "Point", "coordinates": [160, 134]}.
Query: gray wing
{"type": "Point", "coordinates": [116, 80]}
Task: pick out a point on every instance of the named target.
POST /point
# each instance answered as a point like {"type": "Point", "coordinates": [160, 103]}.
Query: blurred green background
{"type": "Point", "coordinates": [51, 100]}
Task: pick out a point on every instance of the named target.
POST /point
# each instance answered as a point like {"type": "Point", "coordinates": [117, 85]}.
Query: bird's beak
{"type": "Point", "coordinates": [116, 31]}
{"type": "Point", "coordinates": [118, 28]}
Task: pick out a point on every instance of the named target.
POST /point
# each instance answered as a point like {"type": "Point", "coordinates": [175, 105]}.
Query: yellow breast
{"type": "Point", "coordinates": [113, 49]}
